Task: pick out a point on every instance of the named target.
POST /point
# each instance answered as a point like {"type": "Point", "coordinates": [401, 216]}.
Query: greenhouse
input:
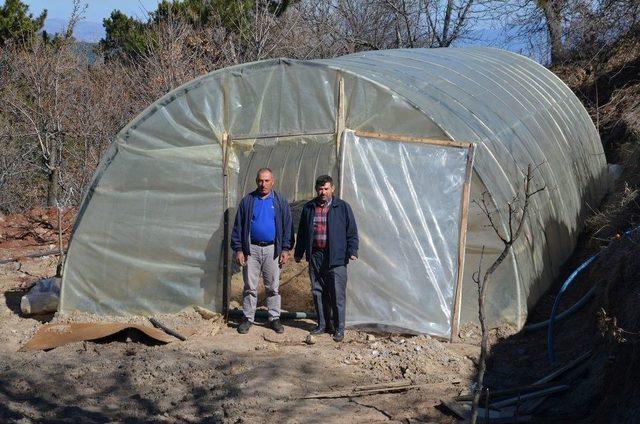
{"type": "Point", "coordinates": [412, 136]}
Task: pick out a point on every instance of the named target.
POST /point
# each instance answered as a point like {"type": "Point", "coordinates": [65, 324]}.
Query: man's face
{"type": "Point", "coordinates": [264, 183]}
{"type": "Point", "coordinates": [325, 192]}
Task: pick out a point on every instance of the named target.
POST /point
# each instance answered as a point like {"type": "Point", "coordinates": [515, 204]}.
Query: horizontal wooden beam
{"type": "Point", "coordinates": [409, 139]}
{"type": "Point", "coordinates": [244, 137]}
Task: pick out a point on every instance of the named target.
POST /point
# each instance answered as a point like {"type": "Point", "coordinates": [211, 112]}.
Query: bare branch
{"type": "Point", "coordinates": [482, 280]}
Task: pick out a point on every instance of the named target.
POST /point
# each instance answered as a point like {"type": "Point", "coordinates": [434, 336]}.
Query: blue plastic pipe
{"type": "Point", "coordinates": [565, 285]}
{"type": "Point", "coordinates": [552, 318]}
{"type": "Point", "coordinates": [567, 313]}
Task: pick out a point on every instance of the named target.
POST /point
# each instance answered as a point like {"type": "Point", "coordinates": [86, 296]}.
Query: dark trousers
{"type": "Point", "coordinates": [328, 287]}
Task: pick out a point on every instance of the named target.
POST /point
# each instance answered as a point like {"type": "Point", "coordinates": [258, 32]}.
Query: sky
{"type": "Point", "coordinates": [90, 29]}
{"type": "Point", "coordinates": [96, 10]}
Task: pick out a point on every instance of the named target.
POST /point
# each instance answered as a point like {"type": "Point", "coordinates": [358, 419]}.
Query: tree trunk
{"type": "Point", "coordinates": [54, 176]}
{"type": "Point", "coordinates": [553, 17]}
{"type": "Point", "coordinates": [445, 42]}
{"type": "Point", "coordinates": [484, 349]}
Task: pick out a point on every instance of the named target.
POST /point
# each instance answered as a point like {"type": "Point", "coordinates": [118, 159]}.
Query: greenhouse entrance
{"type": "Point", "coordinates": [410, 198]}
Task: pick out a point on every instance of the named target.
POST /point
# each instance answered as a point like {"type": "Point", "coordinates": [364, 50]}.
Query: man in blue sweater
{"type": "Point", "coordinates": [261, 239]}
{"type": "Point", "coordinates": [328, 235]}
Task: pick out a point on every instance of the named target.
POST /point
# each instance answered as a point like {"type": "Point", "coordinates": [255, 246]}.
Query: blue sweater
{"type": "Point", "coordinates": [240, 239]}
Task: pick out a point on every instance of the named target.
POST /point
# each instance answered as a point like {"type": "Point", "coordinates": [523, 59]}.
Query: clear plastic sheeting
{"type": "Point", "coordinates": [150, 240]}
{"type": "Point", "coordinates": [407, 200]}
{"type": "Point", "coordinates": [519, 113]}
{"type": "Point", "coordinates": [295, 162]}
{"type": "Point", "coordinates": [151, 229]}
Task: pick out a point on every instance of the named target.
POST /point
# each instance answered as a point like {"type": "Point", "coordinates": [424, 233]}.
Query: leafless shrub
{"type": "Point", "coordinates": [516, 212]}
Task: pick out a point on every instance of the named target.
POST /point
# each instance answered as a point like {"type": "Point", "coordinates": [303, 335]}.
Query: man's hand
{"type": "Point", "coordinates": [284, 257]}
{"type": "Point", "coordinates": [353, 257]}
{"type": "Point", "coordinates": [240, 259]}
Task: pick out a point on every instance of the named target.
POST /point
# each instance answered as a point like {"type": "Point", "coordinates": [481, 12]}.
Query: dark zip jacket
{"type": "Point", "coordinates": [342, 232]}
{"type": "Point", "coordinates": [240, 236]}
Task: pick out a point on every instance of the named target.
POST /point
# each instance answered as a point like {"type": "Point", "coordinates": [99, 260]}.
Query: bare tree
{"type": "Point", "coordinates": [172, 58]}
{"type": "Point", "coordinates": [553, 15]}
{"type": "Point", "coordinates": [347, 26]}
{"type": "Point", "coordinates": [517, 211]}
{"type": "Point", "coordinates": [451, 21]}
{"type": "Point", "coordinates": [569, 27]}
{"type": "Point", "coordinates": [34, 91]}
{"type": "Point", "coordinates": [56, 116]}
{"type": "Point", "coordinates": [263, 32]}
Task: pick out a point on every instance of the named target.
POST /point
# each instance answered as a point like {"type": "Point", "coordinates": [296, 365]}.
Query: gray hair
{"type": "Point", "coordinates": [263, 170]}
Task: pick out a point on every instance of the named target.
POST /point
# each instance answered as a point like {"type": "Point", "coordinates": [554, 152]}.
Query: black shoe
{"type": "Point", "coordinates": [338, 336]}
{"type": "Point", "coordinates": [276, 326]}
{"type": "Point", "coordinates": [316, 331]}
{"type": "Point", "coordinates": [244, 327]}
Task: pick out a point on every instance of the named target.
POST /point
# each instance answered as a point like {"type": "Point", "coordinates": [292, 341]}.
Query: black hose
{"type": "Point", "coordinates": [237, 313]}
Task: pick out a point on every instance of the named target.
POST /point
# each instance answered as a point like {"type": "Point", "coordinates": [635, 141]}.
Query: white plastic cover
{"type": "Point", "coordinates": [407, 199]}
{"type": "Point", "coordinates": [149, 237]}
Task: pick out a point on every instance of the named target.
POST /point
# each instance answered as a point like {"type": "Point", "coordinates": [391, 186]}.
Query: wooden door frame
{"type": "Point", "coordinates": [464, 204]}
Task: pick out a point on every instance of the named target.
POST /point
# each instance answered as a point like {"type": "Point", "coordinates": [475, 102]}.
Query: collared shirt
{"type": "Point", "coordinates": [263, 220]}
{"type": "Point", "coordinates": [320, 225]}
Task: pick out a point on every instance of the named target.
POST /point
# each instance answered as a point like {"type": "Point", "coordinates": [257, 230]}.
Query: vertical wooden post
{"type": "Point", "coordinates": [464, 211]}
{"type": "Point", "coordinates": [226, 264]}
{"type": "Point", "coordinates": [340, 126]}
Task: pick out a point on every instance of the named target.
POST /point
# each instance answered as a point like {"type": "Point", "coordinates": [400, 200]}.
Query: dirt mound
{"type": "Point", "coordinates": [608, 84]}
{"type": "Point", "coordinates": [622, 209]}
{"type": "Point", "coordinates": [617, 311]}
{"type": "Point", "coordinates": [295, 288]}
{"type": "Point", "coordinates": [34, 231]}
{"type": "Point", "coordinates": [421, 359]}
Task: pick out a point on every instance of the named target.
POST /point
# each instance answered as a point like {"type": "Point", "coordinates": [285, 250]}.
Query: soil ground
{"type": "Point", "coordinates": [216, 375]}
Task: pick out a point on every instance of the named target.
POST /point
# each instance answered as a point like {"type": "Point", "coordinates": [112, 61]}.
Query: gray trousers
{"type": "Point", "coordinates": [261, 261]}
{"type": "Point", "coordinates": [328, 287]}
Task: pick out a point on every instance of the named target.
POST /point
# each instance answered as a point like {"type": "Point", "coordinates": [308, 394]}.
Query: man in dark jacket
{"type": "Point", "coordinates": [328, 235]}
{"type": "Point", "coordinates": [261, 239]}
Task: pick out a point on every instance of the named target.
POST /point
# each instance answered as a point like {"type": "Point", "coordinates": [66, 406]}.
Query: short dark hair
{"type": "Point", "coordinates": [322, 180]}
{"type": "Point", "coordinates": [262, 170]}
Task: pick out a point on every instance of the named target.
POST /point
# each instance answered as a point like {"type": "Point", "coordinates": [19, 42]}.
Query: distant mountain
{"type": "Point", "coordinates": [87, 31]}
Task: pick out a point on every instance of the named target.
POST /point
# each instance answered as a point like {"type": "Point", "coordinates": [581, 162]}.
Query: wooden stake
{"type": "Point", "coordinates": [340, 127]}
{"type": "Point", "coordinates": [249, 137]}
{"type": "Point", "coordinates": [464, 218]}
{"type": "Point", "coordinates": [356, 393]}
{"type": "Point", "coordinates": [226, 264]}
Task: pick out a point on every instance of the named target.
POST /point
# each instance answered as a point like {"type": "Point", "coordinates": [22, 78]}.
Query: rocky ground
{"type": "Point", "coordinates": [216, 375]}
